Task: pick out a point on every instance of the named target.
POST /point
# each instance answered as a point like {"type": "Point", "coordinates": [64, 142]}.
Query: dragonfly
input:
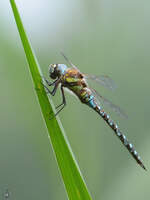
{"type": "Point", "coordinates": [72, 79]}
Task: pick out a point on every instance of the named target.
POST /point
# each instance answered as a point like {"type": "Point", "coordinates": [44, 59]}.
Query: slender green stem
{"type": "Point", "coordinates": [71, 175]}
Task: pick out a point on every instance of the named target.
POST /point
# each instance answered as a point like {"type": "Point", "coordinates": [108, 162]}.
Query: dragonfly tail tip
{"type": "Point", "coordinates": [143, 167]}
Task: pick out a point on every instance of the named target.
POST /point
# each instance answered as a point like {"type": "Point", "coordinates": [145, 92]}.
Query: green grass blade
{"type": "Point", "coordinates": [74, 183]}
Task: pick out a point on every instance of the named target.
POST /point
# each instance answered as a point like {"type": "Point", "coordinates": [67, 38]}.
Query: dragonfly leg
{"type": "Point", "coordinates": [63, 104]}
{"type": "Point", "coordinates": [50, 92]}
{"type": "Point", "coordinates": [50, 83]}
{"type": "Point", "coordinates": [63, 98]}
{"type": "Point", "coordinates": [55, 83]}
{"type": "Point", "coordinates": [59, 105]}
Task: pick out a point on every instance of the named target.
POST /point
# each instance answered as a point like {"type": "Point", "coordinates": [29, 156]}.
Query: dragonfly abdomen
{"type": "Point", "coordinates": [92, 103]}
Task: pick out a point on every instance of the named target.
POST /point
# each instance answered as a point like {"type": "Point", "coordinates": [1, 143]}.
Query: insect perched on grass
{"type": "Point", "coordinates": [75, 81]}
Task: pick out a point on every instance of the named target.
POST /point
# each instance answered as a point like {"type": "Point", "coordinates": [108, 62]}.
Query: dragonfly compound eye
{"type": "Point", "coordinates": [53, 71]}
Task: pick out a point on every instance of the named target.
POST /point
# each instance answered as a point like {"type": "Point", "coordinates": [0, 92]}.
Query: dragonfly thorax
{"type": "Point", "coordinates": [56, 70]}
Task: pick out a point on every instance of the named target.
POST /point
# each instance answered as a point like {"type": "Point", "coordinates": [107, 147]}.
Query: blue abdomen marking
{"type": "Point", "coordinates": [91, 102]}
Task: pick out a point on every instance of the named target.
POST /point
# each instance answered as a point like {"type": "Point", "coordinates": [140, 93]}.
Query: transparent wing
{"type": "Point", "coordinates": [105, 81]}
{"type": "Point", "coordinates": [105, 101]}
{"type": "Point", "coordinates": [69, 62]}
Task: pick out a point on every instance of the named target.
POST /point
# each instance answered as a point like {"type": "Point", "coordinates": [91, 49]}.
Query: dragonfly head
{"type": "Point", "coordinates": [56, 70]}
{"type": "Point", "coordinates": [53, 72]}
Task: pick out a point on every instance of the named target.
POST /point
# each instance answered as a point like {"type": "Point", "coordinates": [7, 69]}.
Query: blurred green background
{"type": "Point", "coordinates": [100, 37]}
